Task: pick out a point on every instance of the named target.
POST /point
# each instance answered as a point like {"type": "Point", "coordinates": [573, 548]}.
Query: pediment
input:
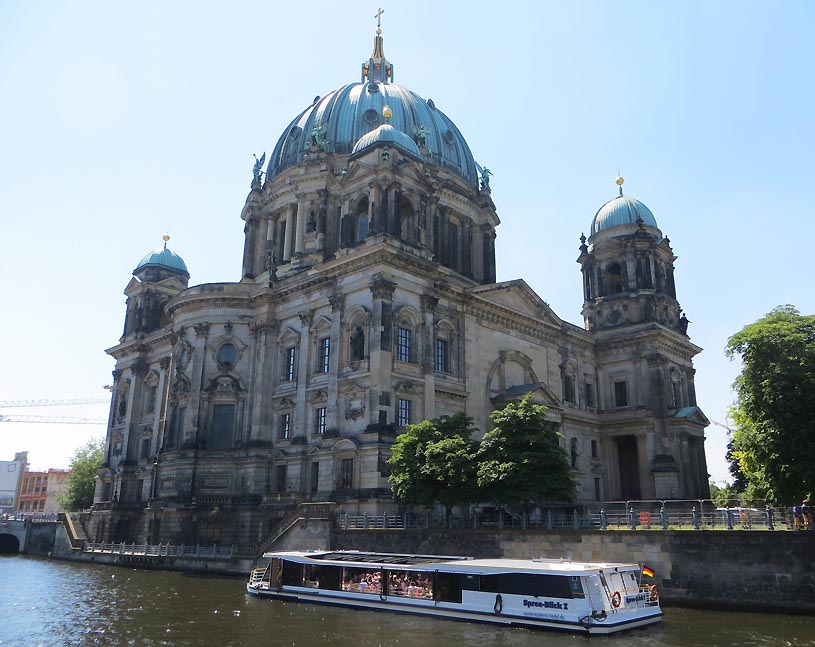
{"type": "Point", "coordinates": [541, 394]}
{"type": "Point", "coordinates": [692, 414]}
{"type": "Point", "coordinates": [170, 285]}
{"type": "Point", "coordinates": [518, 297]}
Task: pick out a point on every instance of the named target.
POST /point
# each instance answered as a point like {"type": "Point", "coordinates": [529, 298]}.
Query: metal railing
{"type": "Point", "coordinates": [700, 514]}
{"type": "Point", "coordinates": [161, 550]}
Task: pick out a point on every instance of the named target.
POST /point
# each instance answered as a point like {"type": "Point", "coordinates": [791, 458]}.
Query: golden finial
{"type": "Point", "coordinates": [620, 181]}
{"type": "Point", "coordinates": [387, 112]}
{"type": "Point", "coordinates": [165, 237]}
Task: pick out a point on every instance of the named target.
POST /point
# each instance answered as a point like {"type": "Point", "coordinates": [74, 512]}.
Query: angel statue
{"type": "Point", "coordinates": [257, 169]}
{"type": "Point", "coordinates": [485, 177]}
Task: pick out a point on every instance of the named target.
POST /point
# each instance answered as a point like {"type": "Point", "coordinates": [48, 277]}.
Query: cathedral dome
{"type": "Point", "coordinates": [387, 134]}
{"type": "Point", "coordinates": [622, 210]}
{"type": "Point", "coordinates": [163, 257]}
{"type": "Point", "coordinates": [336, 122]}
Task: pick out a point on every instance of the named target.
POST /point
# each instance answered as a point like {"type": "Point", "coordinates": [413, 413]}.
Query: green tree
{"type": "Point", "coordinates": [774, 437]}
{"type": "Point", "coordinates": [434, 461]}
{"type": "Point", "coordinates": [520, 459]}
{"type": "Point", "coordinates": [84, 466]}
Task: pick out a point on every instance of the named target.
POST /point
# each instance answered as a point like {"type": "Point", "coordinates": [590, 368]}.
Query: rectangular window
{"type": "Point", "coordinates": [280, 478]}
{"type": "Point", "coordinates": [598, 490]}
{"type": "Point", "coordinates": [285, 426]}
{"type": "Point", "coordinates": [324, 355]}
{"type": "Point", "coordinates": [290, 364]}
{"type": "Point", "coordinates": [145, 447]}
{"type": "Point", "coordinates": [589, 395]}
{"type": "Point", "coordinates": [223, 423]}
{"type": "Point", "coordinates": [442, 356]}
{"type": "Point", "coordinates": [319, 420]}
{"type": "Point", "coordinates": [620, 394]}
{"type": "Point", "coordinates": [150, 400]}
{"type": "Point", "coordinates": [315, 476]}
{"type": "Point", "coordinates": [595, 449]}
{"type": "Point", "coordinates": [403, 345]}
{"type": "Point", "coordinates": [177, 423]}
{"type": "Point", "coordinates": [403, 413]}
{"type": "Point", "coordinates": [347, 474]}
{"type": "Point", "coordinates": [568, 388]}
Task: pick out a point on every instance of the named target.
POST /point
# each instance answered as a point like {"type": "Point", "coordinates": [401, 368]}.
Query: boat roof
{"type": "Point", "coordinates": [451, 563]}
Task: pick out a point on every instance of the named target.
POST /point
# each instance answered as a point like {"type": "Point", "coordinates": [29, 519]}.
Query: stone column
{"type": "Point", "coordinates": [301, 406]}
{"type": "Point", "coordinates": [288, 236]}
{"type": "Point", "coordinates": [373, 204]}
{"type": "Point", "coordinates": [250, 232]}
{"type": "Point", "coordinates": [264, 233]}
{"type": "Point", "coordinates": [300, 232]}
{"type": "Point", "coordinates": [334, 406]}
{"type": "Point", "coordinates": [196, 376]}
{"type": "Point", "coordinates": [429, 303]}
{"type": "Point", "coordinates": [160, 417]}
{"type": "Point", "coordinates": [380, 346]}
{"type": "Point", "coordinates": [132, 442]}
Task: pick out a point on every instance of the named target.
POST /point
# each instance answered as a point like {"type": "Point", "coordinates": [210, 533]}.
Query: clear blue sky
{"type": "Point", "coordinates": [121, 121]}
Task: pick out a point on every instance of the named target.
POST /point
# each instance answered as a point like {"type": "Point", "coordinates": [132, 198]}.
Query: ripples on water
{"type": "Point", "coordinates": [45, 603]}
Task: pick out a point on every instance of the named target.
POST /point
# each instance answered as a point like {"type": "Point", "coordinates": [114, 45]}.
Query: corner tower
{"type": "Point", "coordinates": [628, 271]}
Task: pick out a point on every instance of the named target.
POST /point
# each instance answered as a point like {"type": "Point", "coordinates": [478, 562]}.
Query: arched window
{"type": "Point", "coordinates": [362, 223]}
{"type": "Point", "coordinates": [614, 278]}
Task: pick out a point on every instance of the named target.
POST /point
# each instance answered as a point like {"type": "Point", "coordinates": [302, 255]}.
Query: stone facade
{"type": "Point", "coordinates": [369, 301]}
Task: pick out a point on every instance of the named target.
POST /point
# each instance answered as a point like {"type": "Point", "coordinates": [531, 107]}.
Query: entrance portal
{"type": "Point", "coordinates": [628, 461]}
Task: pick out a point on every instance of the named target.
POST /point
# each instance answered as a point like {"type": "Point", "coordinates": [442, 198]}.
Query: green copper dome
{"type": "Point", "coordinates": [387, 134]}
{"type": "Point", "coordinates": [163, 257]}
{"type": "Point", "coordinates": [622, 210]}
{"type": "Point", "coordinates": [336, 122]}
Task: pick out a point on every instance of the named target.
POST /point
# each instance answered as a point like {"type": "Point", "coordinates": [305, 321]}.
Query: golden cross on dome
{"type": "Point", "coordinates": [378, 16]}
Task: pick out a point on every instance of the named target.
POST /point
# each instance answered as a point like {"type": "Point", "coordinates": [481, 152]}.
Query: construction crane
{"type": "Point", "coordinates": [5, 404]}
{"type": "Point", "coordinates": [719, 424]}
{"type": "Point", "coordinates": [62, 420]}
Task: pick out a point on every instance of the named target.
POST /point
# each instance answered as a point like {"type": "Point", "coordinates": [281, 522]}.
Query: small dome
{"type": "Point", "coordinates": [389, 135]}
{"type": "Point", "coordinates": [163, 257]}
{"type": "Point", "coordinates": [622, 210]}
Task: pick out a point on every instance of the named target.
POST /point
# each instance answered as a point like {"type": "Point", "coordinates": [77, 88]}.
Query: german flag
{"type": "Point", "coordinates": [648, 572]}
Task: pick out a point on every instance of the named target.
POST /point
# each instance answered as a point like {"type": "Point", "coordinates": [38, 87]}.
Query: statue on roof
{"type": "Point", "coordinates": [420, 134]}
{"type": "Point", "coordinates": [257, 169]}
{"type": "Point", "coordinates": [485, 177]}
{"type": "Point", "coordinates": [319, 138]}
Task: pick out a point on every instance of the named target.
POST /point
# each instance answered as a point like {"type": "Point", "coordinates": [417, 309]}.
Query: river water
{"type": "Point", "coordinates": [45, 603]}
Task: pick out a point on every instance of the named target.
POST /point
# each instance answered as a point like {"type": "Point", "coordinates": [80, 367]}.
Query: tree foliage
{"type": "Point", "coordinates": [435, 461]}
{"type": "Point", "coordinates": [84, 466]}
{"type": "Point", "coordinates": [520, 460]}
{"type": "Point", "coordinates": [774, 439]}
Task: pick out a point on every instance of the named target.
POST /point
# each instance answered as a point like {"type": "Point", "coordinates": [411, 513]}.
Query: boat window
{"type": "Point", "coordinates": [449, 586]}
{"type": "Point", "coordinates": [488, 583]}
{"type": "Point", "coordinates": [292, 574]}
{"type": "Point", "coordinates": [577, 587]}
{"type": "Point", "coordinates": [550, 586]}
{"type": "Point", "coordinates": [414, 584]}
{"type": "Point", "coordinates": [322, 577]}
{"type": "Point", "coordinates": [362, 580]}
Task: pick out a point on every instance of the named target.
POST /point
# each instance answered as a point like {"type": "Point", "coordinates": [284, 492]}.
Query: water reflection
{"type": "Point", "coordinates": [47, 602]}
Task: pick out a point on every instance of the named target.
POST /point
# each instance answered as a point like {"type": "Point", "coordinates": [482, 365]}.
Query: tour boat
{"type": "Point", "coordinates": [586, 597]}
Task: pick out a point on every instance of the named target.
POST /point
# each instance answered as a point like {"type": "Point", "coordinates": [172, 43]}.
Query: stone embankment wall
{"type": "Point", "coordinates": [734, 570]}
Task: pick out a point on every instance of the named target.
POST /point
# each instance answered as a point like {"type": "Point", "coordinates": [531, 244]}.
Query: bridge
{"type": "Point", "coordinates": [12, 535]}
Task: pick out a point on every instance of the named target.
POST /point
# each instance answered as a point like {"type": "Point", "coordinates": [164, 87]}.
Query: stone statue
{"type": "Point", "coordinates": [485, 177]}
{"type": "Point", "coordinates": [257, 170]}
{"type": "Point", "coordinates": [420, 134]}
{"type": "Point", "coordinates": [318, 135]}
{"type": "Point", "coordinates": [683, 324]}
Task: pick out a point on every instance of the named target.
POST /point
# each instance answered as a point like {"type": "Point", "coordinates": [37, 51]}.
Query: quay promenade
{"type": "Point", "coordinates": [738, 559]}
